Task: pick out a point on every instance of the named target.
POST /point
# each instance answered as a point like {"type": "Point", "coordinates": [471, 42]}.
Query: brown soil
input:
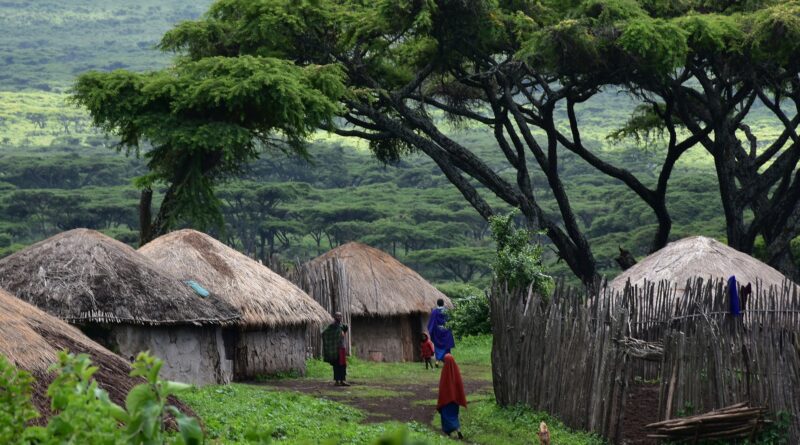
{"type": "Point", "coordinates": [641, 408]}
{"type": "Point", "coordinates": [415, 403]}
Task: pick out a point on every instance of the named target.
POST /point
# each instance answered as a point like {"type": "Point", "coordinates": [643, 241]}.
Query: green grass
{"type": "Point", "coordinates": [484, 422]}
{"type": "Point", "coordinates": [229, 412]}
{"type": "Point", "coordinates": [473, 355]}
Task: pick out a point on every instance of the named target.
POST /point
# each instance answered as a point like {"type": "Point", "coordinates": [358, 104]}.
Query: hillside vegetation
{"type": "Point", "coordinates": [57, 172]}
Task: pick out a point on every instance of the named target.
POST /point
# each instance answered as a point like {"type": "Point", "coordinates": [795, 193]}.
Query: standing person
{"type": "Point", "coordinates": [441, 336]}
{"type": "Point", "coordinates": [451, 397]}
{"type": "Point", "coordinates": [426, 350]}
{"type": "Point", "coordinates": [334, 349]}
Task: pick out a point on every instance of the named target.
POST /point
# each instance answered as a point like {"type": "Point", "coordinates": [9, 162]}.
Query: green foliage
{"type": "Point", "coordinates": [207, 119]}
{"type": "Point", "coordinates": [486, 422]}
{"type": "Point", "coordinates": [659, 46]}
{"type": "Point", "coordinates": [519, 261]}
{"type": "Point", "coordinates": [83, 412]}
{"type": "Point", "coordinates": [775, 33]}
{"type": "Point", "coordinates": [644, 126]}
{"type": "Point", "coordinates": [16, 408]}
{"type": "Point", "coordinates": [471, 313]}
{"type": "Point", "coordinates": [472, 352]}
{"type": "Point", "coordinates": [471, 316]}
{"type": "Point", "coordinates": [231, 411]}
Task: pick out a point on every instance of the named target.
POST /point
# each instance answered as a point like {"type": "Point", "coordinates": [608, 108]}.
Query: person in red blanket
{"type": "Point", "coordinates": [451, 396]}
{"type": "Point", "coordinates": [426, 350]}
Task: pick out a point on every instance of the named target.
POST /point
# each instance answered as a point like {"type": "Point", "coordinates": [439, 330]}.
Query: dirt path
{"type": "Point", "coordinates": [381, 403]}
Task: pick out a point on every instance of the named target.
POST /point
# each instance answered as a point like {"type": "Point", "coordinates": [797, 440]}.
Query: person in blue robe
{"type": "Point", "coordinates": [440, 335]}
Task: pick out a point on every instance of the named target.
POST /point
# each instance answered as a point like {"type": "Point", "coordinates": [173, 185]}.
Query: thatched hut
{"type": "Point", "coordinates": [31, 339]}
{"type": "Point", "coordinates": [386, 303]}
{"type": "Point", "coordinates": [699, 257]}
{"type": "Point", "coordinates": [124, 301]}
{"type": "Point", "coordinates": [270, 336]}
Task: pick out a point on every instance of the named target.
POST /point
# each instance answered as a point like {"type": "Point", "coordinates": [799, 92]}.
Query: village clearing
{"type": "Point", "coordinates": [384, 397]}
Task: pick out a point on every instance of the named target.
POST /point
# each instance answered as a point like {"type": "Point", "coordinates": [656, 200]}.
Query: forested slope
{"type": "Point", "coordinates": [57, 172]}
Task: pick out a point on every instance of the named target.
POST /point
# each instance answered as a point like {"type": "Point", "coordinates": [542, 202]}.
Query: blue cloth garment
{"type": "Point", "coordinates": [733, 292]}
{"type": "Point", "coordinates": [441, 337]}
{"type": "Point", "coordinates": [449, 414]}
{"type": "Point", "coordinates": [440, 352]}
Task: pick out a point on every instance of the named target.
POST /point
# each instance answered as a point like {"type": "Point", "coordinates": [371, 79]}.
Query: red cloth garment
{"type": "Point", "coordinates": [451, 387]}
{"type": "Point", "coordinates": [426, 349]}
{"type": "Point", "coordinates": [342, 356]}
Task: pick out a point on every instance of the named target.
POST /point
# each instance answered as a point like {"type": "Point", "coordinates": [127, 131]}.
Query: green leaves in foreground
{"type": "Point", "coordinates": [83, 412]}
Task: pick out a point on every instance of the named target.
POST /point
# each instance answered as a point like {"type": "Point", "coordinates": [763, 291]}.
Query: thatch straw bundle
{"type": "Point", "coordinates": [264, 298]}
{"type": "Point", "coordinates": [376, 283]}
{"type": "Point", "coordinates": [83, 276]}
{"type": "Point", "coordinates": [698, 257]}
{"type": "Point", "coordinates": [31, 339]}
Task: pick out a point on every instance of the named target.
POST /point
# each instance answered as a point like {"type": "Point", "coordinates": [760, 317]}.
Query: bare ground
{"type": "Point", "coordinates": [412, 402]}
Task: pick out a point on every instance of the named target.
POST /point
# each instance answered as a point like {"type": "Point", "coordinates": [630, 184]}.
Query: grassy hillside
{"type": "Point", "coordinates": [48, 42]}
{"type": "Point", "coordinates": [57, 172]}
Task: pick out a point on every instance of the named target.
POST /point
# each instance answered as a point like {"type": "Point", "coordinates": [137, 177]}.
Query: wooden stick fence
{"type": "Point", "coordinates": [575, 356]}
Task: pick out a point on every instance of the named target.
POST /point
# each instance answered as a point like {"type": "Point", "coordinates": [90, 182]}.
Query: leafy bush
{"type": "Point", "coordinates": [16, 408]}
{"type": "Point", "coordinates": [84, 414]}
{"type": "Point", "coordinates": [471, 316]}
{"type": "Point", "coordinates": [518, 261]}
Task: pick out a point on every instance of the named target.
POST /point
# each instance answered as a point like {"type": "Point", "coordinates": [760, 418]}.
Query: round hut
{"type": "Point", "coordinates": [269, 337]}
{"type": "Point", "coordinates": [31, 339]}
{"type": "Point", "coordinates": [699, 257]}
{"type": "Point", "coordinates": [124, 301]}
{"type": "Point", "coordinates": [385, 303]}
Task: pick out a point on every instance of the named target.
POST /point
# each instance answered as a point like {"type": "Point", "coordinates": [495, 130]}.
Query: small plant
{"type": "Point", "coordinates": [470, 316]}
{"type": "Point", "coordinates": [16, 408]}
{"type": "Point", "coordinates": [519, 260]}
{"type": "Point", "coordinates": [84, 413]}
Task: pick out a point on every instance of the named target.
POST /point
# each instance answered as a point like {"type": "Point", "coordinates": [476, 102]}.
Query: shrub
{"type": "Point", "coordinates": [16, 408]}
{"type": "Point", "coordinates": [519, 261]}
{"type": "Point", "coordinates": [85, 414]}
{"type": "Point", "coordinates": [470, 316]}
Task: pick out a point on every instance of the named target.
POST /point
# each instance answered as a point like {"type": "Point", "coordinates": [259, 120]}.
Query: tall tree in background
{"type": "Point", "coordinates": [204, 120]}
{"type": "Point", "coordinates": [406, 63]}
{"type": "Point", "coordinates": [521, 69]}
{"type": "Point", "coordinates": [707, 73]}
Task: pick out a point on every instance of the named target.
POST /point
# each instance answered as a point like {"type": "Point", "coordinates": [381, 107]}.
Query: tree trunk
{"type": "Point", "coordinates": [145, 216]}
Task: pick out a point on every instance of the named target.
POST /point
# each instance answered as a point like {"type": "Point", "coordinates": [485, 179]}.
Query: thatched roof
{"type": "Point", "coordinates": [698, 257]}
{"type": "Point", "coordinates": [84, 276]}
{"type": "Point", "coordinates": [375, 283]}
{"type": "Point", "coordinates": [31, 339]}
{"type": "Point", "coordinates": [264, 298]}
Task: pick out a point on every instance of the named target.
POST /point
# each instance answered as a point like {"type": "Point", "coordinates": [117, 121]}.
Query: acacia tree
{"type": "Point", "coordinates": [509, 66]}
{"type": "Point", "coordinates": [201, 121]}
{"type": "Point", "coordinates": [407, 62]}
{"type": "Point", "coordinates": [707, 73]}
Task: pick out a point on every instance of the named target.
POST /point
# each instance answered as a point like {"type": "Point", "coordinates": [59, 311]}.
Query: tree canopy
{"type": "Point", "coordinates": [390, 70]}
{"type": "Point", "coordinates": [204, 120]}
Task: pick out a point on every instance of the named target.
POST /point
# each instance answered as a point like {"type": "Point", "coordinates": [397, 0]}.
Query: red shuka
{"type": "Point", "coordinates": [426, 348]}
{"type": "Point", "coordinates": [451, 387]}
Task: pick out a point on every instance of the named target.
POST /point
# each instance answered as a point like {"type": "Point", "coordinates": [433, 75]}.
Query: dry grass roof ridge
{"type": "Point", "coordinates": [377, 283]}
{"type": "Point", "coordinates": [31, 340]}
{"type": "Point", "coordinates": [84, 276]}
{"type": "Point", "coordinates": [698, 257]}
{"type": "Point", "coordinates": [264, 298]}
